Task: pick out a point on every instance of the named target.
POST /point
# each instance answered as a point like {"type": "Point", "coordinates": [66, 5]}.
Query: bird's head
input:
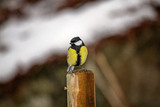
{"type": "Point", "coordinates": [76, 41]}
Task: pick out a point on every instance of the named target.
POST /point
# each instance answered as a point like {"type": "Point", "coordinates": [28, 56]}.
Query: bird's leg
{"type": "Point", "coordinates": [72, 68]}
{"type": "Point", "coordinates": [69, 68]}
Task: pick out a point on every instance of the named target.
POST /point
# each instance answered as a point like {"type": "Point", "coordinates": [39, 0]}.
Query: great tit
{"type": "Point", "coordinates": [77, 54]}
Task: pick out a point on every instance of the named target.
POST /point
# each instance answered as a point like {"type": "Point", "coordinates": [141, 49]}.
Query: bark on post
{"type": "Point", "coordinates": [80, 89]}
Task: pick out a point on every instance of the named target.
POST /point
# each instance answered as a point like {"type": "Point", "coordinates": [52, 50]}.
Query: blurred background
{"type": "Point", "coordinates": [122, 37]}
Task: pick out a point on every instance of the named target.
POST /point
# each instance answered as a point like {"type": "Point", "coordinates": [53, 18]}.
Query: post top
{"type": "Point", "coordinates": [81, 71]}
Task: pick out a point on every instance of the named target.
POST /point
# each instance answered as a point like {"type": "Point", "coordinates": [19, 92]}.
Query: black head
{"type": "Point", "coordinates": [76, 41]}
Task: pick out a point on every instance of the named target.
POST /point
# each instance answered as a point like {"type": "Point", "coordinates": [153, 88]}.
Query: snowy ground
{"type": "Point", "coordinates": [31, 40]}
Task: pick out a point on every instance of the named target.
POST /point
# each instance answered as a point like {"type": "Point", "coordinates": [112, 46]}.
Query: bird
{"type": "Point", "coordinates": [77, 54]}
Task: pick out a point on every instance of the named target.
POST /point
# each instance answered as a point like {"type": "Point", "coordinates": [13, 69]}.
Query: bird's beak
{"type": "Point", "coordinates": [70, 43]}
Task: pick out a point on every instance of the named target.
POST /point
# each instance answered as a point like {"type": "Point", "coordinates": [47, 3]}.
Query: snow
{"type": "Point", "coordinates": [32, 40]}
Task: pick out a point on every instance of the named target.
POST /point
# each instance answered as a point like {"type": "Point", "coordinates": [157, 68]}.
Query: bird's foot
{"type": "Point", "coordinates": [72, 73]}
{"type": "Point", "coordinates": [84, 69]}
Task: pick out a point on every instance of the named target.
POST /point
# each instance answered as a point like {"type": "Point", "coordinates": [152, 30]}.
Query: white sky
{"type": "Point", "coordinates": [30, 41]}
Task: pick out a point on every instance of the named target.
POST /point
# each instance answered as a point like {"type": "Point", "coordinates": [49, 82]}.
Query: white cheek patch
{"type": "Point", "coordinates": [78, 43]}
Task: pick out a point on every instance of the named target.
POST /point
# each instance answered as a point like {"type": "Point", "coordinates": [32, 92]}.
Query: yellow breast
{"type": "Point", "coordinates": [83, 53]}
{"type": "Point", "coordinates": [72, 57]}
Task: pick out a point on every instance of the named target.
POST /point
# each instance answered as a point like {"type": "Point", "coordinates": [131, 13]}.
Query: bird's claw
{"type": "Point", "coordinates": [84, 69]}
{"type": "Point", "coordinates": [72, 73]}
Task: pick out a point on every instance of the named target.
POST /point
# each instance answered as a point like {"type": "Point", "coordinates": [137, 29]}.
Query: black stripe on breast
{"type": "Point", "coordinates": [78, 60]}
{"type": "Point", "coordinates": [77, 48]}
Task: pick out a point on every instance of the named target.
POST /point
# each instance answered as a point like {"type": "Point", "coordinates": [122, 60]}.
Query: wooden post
{"type": "Point", "coordinates": [80, 89]}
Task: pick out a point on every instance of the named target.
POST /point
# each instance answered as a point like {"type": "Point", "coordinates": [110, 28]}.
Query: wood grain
{"type": "Point", "coordinates": [81, 89]}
